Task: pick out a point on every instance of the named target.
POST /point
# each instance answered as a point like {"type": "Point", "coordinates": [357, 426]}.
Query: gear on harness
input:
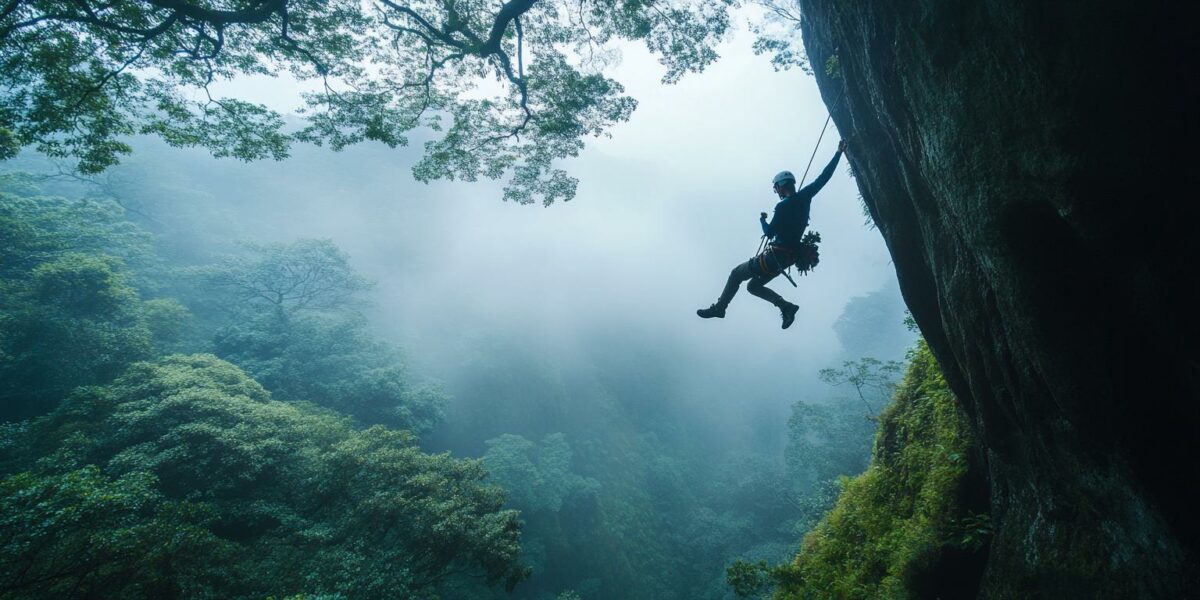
{"type": "Point", "coordinates": [809, 253]}
{"type": "Point", "coordinates": [806, 256]}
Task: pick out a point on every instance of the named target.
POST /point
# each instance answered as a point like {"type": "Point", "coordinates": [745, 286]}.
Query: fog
{"type": "Point", "coordinates": [589, 305]}
{"type": "Point", "coordinates": [665, 208]}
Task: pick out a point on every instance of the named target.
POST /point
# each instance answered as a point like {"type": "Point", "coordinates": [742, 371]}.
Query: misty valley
{"type": "Point", "coordinates": [193, 412]}
{"type": "Point", "coordinates": [596, 300]}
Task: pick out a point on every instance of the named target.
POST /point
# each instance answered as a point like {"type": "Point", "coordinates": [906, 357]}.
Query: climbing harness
{"type": "Point", "coordinates": [773, 252]}
{"type": "Point", "coordinates": [804, 257]}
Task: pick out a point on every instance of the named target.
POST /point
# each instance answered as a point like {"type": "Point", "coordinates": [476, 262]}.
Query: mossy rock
{"type": "Point", "coordinates": [910, 514]}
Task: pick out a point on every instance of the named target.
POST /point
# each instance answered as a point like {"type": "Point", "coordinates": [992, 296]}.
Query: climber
{"type": "Point", "coordinates": [784, 231]}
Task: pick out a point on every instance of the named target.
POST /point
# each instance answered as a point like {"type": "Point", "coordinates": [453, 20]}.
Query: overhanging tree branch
{"type": "Point", "coordinates": [385, 65]}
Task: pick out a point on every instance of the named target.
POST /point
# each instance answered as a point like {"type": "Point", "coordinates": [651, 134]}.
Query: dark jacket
{"type": "Point", "coordinates": [791, 214]}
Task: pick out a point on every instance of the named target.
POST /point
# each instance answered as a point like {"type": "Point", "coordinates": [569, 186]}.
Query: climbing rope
{"type": "Point", "coordinates": [814, 153]}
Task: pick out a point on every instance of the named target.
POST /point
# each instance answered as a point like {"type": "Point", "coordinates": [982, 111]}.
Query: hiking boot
{"type": "Point", "coordinates": [712, 311]}
{"type": "Point", "coordinates": [789, 314]}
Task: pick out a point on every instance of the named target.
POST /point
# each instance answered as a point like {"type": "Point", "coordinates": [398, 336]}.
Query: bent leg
{"type": "Point", "coordinates": [739, 274]}
{"type": "Point", "coordinates": [758, 287]}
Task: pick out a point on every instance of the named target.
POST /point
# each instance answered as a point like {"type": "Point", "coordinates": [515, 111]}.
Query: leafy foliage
{"type": "Point", "coordinates": [892, 522]}
{"type": "Point", "coordinates": [291, 322]}
{"type": "Point", "coordinates": [81, 77]}
{"type": "Point", "coordinates": [69, 314]}
{"type": "Point", "coordinates": [538, 477]}
{"type": "Point", "coordinates": [749, 579]}
{"type": "Point", "coordinates": [38, 227]}
{"type": "Point", "coordinates": [825, 442]}
{"type": "Point", "coordinates": [636, 505]}
{"type": "Point", "coordinates": [68, 533]}
{"type": "Point", "coordinates": [183, 477]}
{"type": "Point", "coordinates": [977, 529]}
{"type": "Point", "coordinates": [75, 322]}
{"type": "Point", "coordinates": [833, 67]}
{"type": "Point", "coordinates": [808, 252]}
{"type": "Point", "coordinates": [299, 501]}
{"type": "Point", "coordinates": [778, 34]}
{"type": "Point", "coordinates": [873, 380]}
{"type": "Point", "coordinates": [335, 363]}
{"type": "Point", "coordinates": [288, 279]}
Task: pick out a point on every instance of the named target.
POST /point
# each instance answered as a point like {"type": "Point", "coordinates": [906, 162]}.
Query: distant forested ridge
{"type": "Point", "coordinates": [130, 470]}
{"type": "Point", "coordinates": [190, 415]}
{"type": "Point", "coordinates": [193, 411]}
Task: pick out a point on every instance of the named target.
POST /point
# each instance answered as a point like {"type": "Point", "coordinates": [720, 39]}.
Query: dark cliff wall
{"type": "Point", "coordinates": [1022, 161]}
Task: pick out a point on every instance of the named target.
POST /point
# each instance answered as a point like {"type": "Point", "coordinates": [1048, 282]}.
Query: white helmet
{"type": "Point", "coordinates": [784, 176]}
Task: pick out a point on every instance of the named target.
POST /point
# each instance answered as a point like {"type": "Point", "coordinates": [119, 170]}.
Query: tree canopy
{"type": "Point", "coordinates": [70, 314]}
{"type": "Point", "coordinates": [306, 275]}
{"type": "Point", "coordinates": [127, 473]}
{"type": "Point", "coordinates": [537, 476]}
{"type": "Point", "coordinates": [185, 479]}
{"type": "Point", "coordinates": [289, 318]}
{"type": "Point", "coordinates": [509, 87]}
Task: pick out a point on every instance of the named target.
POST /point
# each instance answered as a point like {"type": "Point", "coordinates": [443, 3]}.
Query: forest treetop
{"type": "Point", "coordinates": [80, 76]}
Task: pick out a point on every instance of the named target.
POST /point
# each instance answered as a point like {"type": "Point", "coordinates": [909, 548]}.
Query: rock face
{"type": "Point", "coordinates": [1020, 159]}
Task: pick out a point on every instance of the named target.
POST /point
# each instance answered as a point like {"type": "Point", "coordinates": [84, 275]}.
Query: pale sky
{"type": "Point", "coordinates": [665, 209]}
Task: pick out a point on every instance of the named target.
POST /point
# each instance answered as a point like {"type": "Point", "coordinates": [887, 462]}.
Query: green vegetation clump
{"type": "Point", "coordinates": [186, 413]}
{"type": "Point", "coordinates": [184, 478]}
{"type": "Point", "coordinates": [70, 313]}
{"type": "Point", "coordinates": [895, 521]}
{"type": "Point", "coordinates": [128, 470]}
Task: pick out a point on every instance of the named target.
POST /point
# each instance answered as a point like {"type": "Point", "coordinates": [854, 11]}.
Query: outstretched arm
{"type": "Point", "coordinates": [818, 183]}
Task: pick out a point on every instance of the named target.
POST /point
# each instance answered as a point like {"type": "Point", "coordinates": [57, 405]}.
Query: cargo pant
{"type": "Point", "coordinates": [759, 271]}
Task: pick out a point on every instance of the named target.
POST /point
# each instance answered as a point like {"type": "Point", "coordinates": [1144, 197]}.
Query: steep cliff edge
{"type": "Point", "coordinates": [911, 525]}
{"type": "Point", "coordinates": [1019, 159]}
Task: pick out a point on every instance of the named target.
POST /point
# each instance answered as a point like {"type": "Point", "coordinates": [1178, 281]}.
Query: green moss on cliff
{"type": "Point", "coordinates": [906, 514]}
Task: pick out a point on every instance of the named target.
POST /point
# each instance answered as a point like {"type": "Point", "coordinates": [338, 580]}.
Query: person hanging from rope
{"type": "Point", "coordinates": [784, 232]}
